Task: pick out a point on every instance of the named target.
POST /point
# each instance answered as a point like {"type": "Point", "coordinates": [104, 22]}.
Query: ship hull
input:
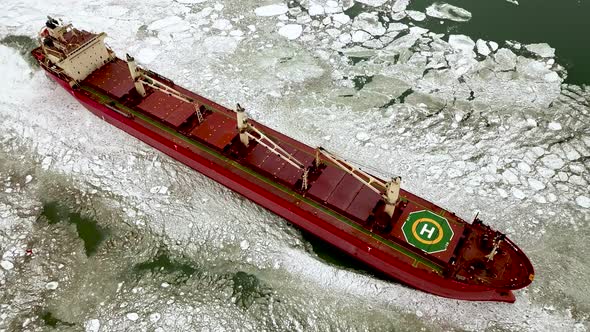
{"type": "Point", "coordinates": [358, 245]}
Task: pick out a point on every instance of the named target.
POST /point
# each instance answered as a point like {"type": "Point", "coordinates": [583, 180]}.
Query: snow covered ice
{"type": "Point", "coordinates": [448, 12]}
{"type": "Point", "coordinates": [291, 31]}
{"type": "Point", "coordinates": [271, 10]}
{"type": "Point", "coordinates": [543, 50]}
{"type": "Point", "coordinates": [470, 125]}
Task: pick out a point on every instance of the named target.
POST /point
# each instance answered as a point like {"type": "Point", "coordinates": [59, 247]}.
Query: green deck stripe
{"type": "Point", "coordinates": [279, 186]}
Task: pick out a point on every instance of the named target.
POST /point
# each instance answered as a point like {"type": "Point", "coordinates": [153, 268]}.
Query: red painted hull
{"type": "Point", "coordinates": [357, 244]}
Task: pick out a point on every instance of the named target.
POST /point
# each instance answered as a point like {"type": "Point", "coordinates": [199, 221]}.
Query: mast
{"type": "Point", "coordinates": [135, 75]}
{"type": "Point", "coordinates": [141, 78]}
{"type": "Point", "coordinates": [247, 132]}
{"type": "Point", "coordinates": [388, 191]}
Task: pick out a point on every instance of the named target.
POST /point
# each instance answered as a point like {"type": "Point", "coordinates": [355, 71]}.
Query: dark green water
{"type": "Point", "coordinates": [562, 24]}
{"type": "Point", "coordinates": [163, 264]}
{"type": "Point", "coordinates": [89, 232]}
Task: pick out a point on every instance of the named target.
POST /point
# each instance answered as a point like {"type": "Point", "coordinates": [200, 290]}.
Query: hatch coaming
{"type": "Point", "coordinates": [218, 130]}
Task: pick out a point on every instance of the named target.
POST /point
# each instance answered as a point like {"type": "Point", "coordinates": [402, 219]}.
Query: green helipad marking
{"type": "Point", "coordinates": [427, 231]}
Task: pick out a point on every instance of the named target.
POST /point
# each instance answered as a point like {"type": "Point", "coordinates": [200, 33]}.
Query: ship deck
{"type": "Point", "coordinates": [332, 187]}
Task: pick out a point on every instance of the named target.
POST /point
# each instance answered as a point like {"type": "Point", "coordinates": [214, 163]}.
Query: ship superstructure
{"type": "Point", "coordinates": [373, 220]}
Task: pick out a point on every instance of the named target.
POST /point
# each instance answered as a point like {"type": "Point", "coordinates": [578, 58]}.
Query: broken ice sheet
{"type": "Point", "coordinates": [542, 49]}
{"type": "Point", "coordinates": [482, 47]}
{"type": "Point", "coordinates": [369, 22]}
{"type": "Point", "coordinates": [462, 43]}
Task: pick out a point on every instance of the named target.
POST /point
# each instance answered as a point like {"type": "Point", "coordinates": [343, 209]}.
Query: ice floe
{"type": "Point", "coordinates": [542, 49]}
{"type": "Point", "coordinates": [462, 43]}
{"type": "Point", "coordinates": [316, 10]}
{"type": "Point", "coordinates": [132, 316]}
{"type": "Point", "coordinates": [536, 185]}
{"type": "Point", "coordinates": [494, 46]}
{"type": "Point", "coordinates": [291, 31]}
{"type": "Point", "coordinates": [6, 265]}
{"type": "Point", "coordinates": [360, 36]}
{"type": "Point", "coordinates": [271, 10]}
{"type": "Point", "coordinates": [554, 126]}
{"type": "Point", "coordinates": [92, 325]}
{"type": "Point", "coordinates": [155, 317]}
{"type": "Point", "coordinates": [52, 285]}
{"type": "Point", "coordinates": [482, 47]}
{"type": "Point", "coordinates": [519, 194]}
{"type": "Point", "coordinates": [448, 12]}
{"type": "Point", "coordinates": [169, 23]}
{"type": "Point", "coordinates": [369, 22]}
{"type": "Point", "coordinates": [363, 136]}
{"type": "Point", "coordinates": [373, 3]}
{"type": "Point", "coordinates": [222, 24]}
{"type": "Point", "coordinates": [341, 18]}
{"type": "Point", "coordinates": [505, 59]}
{"type": "Point", "coordinates": [583, 201]}
{"type": "Point", "coordinates": [416, 15]}
{"type": "Point", "coordinates": [510, 176]}
{"type": "Point", "coordinates": [244, 245]}
{"type": "Point", "coordinates": [552, 161]}
{"type": "Point", "coordinates": [400, 5]}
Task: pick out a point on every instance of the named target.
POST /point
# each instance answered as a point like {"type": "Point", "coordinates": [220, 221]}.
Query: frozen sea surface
{"type": "Point", "coordinates": [124, 238]}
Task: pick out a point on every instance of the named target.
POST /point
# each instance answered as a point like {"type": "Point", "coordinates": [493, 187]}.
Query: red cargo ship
{"type": "Point", "coordinates": [391, 230]}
